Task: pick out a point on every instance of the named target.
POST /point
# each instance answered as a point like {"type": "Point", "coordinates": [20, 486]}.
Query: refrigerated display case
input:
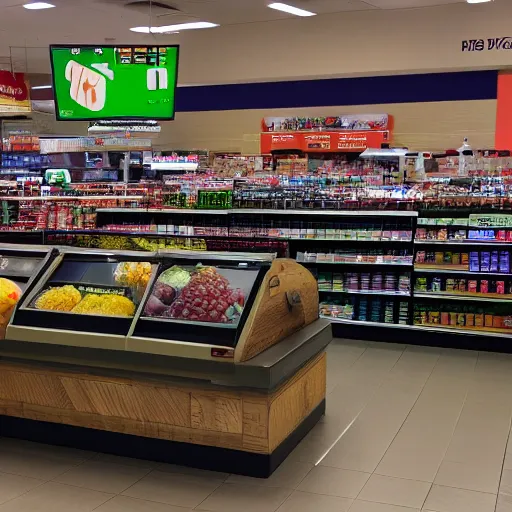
{"type": "Point", "coordinates": [20, 268]}
{"type": "Point", "coordinates": [84, 289]}
{"type": "Point", "coordinates": [199, 359]}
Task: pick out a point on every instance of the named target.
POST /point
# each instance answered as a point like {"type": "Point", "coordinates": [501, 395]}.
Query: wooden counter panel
{"type": "Point", "coordinates": [296, 401]}
{"type": "Point", "coordinates": [216, 413]}
{"type": "Point", "coordinates": [221, 417]}
{"type": "Point", "coordinates": [34, 388]}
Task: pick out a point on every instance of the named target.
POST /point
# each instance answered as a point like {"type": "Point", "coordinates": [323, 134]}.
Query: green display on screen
{"type": "Point", "coordinates": [122, 82]}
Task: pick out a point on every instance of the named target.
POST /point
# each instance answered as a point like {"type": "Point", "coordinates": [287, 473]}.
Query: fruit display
{"type": "Point", "coordinates": [69, 299]}
{"type": "Point", "coordinates": [105, 304]}
{"type": "Point", "coordinates": [133, 273]}
{"type": "Point", "coordinates": [59, 298]}
{"type": "Point", "coordinates": [10, 294]}
{"type": "Point", "coordinates": [175, 276]}
{"type": "Point", "coordinates": [202, 295]}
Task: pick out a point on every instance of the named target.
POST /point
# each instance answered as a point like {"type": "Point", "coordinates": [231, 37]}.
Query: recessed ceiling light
{"type": "Point", "coordinates": [174, 28]}
{"type": "Point", "coordinates": [478, 1]}
{"type": "Point", "coordinates": [41, 87]}
{"type": "Point", "coordinates": [290, 9]}
{"type": "Point", "coordinates": [38, 5]}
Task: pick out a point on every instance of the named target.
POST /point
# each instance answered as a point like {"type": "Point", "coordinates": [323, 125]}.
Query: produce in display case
{"type": "Point", "coordinates": [199, 305]}
{"type": "Point", "coordinates": [81, 290]}
{"type": "Point", "coordinates": [19, 270]}
{"type": "Point", "coordinates": [188, 300]}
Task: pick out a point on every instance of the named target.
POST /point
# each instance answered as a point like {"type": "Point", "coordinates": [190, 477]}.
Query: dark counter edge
{"type": "Point", "coordinates": [265, 372]}
{"type": "Point", "coordinates": [159, 450]}
{"type": "Point", "coordinates": [465, 341]}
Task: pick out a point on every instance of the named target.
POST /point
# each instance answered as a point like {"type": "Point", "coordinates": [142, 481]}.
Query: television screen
{"type": "Point", "coordinates": [114, 82]}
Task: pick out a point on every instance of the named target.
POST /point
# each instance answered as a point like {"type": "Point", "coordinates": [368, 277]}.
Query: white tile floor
{"type": "Point", "coordinates": [406, 429]}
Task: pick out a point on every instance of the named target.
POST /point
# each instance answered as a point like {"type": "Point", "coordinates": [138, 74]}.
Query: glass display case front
{"type": "Point", "coordinates": [88, 292]}
{"type": "Point", "coordinates": [19, 270]}
{"type": "Point", "coordinates": [201, 298]}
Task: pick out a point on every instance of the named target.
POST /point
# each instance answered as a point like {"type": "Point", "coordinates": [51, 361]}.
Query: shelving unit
{"type": "Point", "coordinates": [363, 238]}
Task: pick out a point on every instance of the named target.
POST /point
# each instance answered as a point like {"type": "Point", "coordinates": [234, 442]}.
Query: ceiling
{"type": "Point", "coordinates": [26, 34]}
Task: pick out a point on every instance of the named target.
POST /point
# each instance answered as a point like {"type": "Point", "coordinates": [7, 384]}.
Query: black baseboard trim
{"type": "Point", "coordinates": [374, 332]}
{"type": "Point", "coordinates": [159, 450]}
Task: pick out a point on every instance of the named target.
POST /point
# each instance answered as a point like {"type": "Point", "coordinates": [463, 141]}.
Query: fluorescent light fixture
{"type": "Point", "coordinates": [478, 1]}
{"type": "Point", "coordinates": [290, 9]}
{"type": "Point", "coordinates": [41, 87]}
{"type": "Point", "coordinates": [38, 5]}
{"type": "Point", "coordinates": [174, 28]}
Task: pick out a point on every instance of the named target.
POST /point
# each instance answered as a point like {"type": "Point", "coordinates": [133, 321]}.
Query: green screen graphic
{"type": "Point", "coordinates": [114, 82]}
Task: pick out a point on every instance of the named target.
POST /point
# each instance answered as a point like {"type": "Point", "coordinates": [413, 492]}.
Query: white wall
{"type": "Point", "coordinates": [346, 44]}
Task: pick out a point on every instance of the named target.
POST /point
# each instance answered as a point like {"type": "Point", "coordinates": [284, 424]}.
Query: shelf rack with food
{"type": "Point", "coordinates": [462, 274]}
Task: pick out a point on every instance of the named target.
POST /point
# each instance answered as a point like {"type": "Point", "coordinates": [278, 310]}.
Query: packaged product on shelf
{"type": "Point", "coordinates": [474, 262]}
{"type": "Point", "coordinates": [325, 281]}
{"type": "Point", "coordinates": [337, 282]}
{"type": "Point", "coordinates": [504, 262]}
{"type": "Point", "coordinates": [421, 284]}
{"type": "Point", "coordinates": [485, 261]}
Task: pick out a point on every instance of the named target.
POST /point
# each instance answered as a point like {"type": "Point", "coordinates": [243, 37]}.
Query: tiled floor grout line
{"type": "Point", "coordinates": [470, 379]}
{"type": "Point", "coordinates": [315, 465]}
{"type": "Point", "coordinates": [220, 484]}
{"type": "Point", "coordinates": [403, 422]}
{"type": "Point", "coordinates": [503, 463]}
{"type": "Point", "coordinates": [348, 368]}
{"type": "Point", "coordinates": [384, 378]}
{"type": "Point", "coordinates": [26, 492]}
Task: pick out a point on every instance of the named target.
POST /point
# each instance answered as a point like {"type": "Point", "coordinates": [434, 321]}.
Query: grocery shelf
{"type": "Point", "coordinates": [73, 198]}
{"type": "Point", "coordinates": [479, 331]}
{"type": "Point", "coordinates": [473, 297]}
{"type": "Point", "coordinates": [179, 211]}
{"type": "Point", "coordinates": [264, 211]}
{"type": "Point", "coordinates": [465, 330]}
{"type": "Point", "coordinates": [343, 240]}
{"type": "Point", "coordinates": [425, 267]}
{"type": "Point", "coordinates": [355, 263]}
{"type": "Point", "coordinates": [461, 242]}
{"type": "Point", "coordinates": [455, 226]}
{"type": "Point", "coordinates": [325, 212]}
{"type": "Point", "coordinates": [465, 272]}
{"type": "Point", "coordinates": [369, 292]}
{"type": "Point", "coordinates": [142, 234]}
{"type": "Point", "coordinates": [366, 323]}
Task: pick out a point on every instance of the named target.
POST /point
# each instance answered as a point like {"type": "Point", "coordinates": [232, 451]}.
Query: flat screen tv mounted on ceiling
{"type": "Point", "coordinates": [114, 82]}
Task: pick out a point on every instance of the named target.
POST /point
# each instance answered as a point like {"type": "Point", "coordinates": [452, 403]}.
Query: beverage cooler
{"type": "Point", "coordinates": [214, 360]}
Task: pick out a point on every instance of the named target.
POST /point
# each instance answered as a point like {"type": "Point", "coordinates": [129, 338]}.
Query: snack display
{"type": "Point", "coordinates": [59, 298]}
{"type": "Point", "coordinates": [105, 305]}
{"type": "Point", "coordinates": [202, 295]}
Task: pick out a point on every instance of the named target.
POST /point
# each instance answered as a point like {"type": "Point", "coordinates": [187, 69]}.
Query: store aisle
{"type": "Point", "coordinates": [406, 429]}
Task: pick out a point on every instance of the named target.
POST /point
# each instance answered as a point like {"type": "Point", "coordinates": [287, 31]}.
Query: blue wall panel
{"type": "Point", "coordinates": [466, 85]}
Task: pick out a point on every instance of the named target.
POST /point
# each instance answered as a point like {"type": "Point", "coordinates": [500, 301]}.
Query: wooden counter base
{"type": "Point", "coordinates": [196, 424]}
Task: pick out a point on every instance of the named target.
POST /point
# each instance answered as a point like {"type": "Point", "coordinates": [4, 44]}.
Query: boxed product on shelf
{"type": "Point", "coordinates": [377, 256]}
{"type": "Point", "coordinates": [493, 319]}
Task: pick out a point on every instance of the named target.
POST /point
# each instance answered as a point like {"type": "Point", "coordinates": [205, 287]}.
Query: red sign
{"type": "Point", "coordinates": [323, 142]}
{"type": "Point", "coordinates": [503, 137]}
{"type": "Point", "coordinates": [14, 92]}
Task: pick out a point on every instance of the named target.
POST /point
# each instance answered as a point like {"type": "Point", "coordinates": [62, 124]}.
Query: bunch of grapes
{"type": "Point", "coordinates": [208, 298]}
